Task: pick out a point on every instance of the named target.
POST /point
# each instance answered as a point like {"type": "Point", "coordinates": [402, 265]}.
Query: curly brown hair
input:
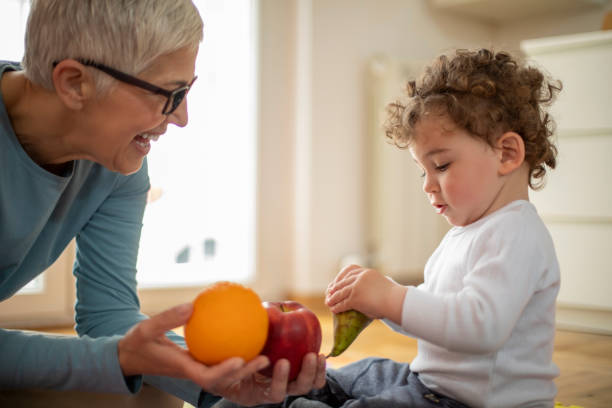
{"type": "Point", "coordinates": [486, 93]}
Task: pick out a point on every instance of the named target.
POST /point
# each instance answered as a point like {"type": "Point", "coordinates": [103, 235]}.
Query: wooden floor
{"type": "Point", "coordinates": [585, 360]}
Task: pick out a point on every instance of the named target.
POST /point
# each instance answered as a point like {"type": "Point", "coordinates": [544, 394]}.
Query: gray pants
{"type": "Point", "coordinates": [371, 383]}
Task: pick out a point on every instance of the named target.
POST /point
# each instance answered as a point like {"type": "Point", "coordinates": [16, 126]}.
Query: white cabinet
{"type": "Point", "coordinates": [576, 203]}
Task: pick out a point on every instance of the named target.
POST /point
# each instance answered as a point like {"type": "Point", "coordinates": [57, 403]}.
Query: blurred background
{"type": "Point", "coordinates": [283, 174]}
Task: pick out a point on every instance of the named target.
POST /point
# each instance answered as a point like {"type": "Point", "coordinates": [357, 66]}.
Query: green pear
{"type": "Point", "coordinates": [347, 326]}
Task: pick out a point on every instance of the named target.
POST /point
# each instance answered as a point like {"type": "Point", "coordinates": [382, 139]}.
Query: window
{"type": "Point", "coordinates": [199, 224]}
{"type": "Point", "coordinates": [13, 16]}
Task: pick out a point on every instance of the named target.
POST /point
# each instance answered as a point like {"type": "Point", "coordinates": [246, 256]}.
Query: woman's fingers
{"type": "Point", "coordinates": [277, 390]}
{"type": "Point", "coordinates": [221, 378]}
{"type": "Point", "coordinates": [305, 379]}
{"type": "Point", "coordinates": [321, 372]}
{"type": "Point", "coordinates": [219, 375]}
{"type": "Point", "coordinates": [313, 367]}
{"type": "Point", "coordinates": [145, 349]}
{"type": "Point", "coordinates": [167, 320]}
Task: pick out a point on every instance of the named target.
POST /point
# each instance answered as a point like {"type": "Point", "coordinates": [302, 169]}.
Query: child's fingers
{"type": "Point", "coordinates": [340, 295]}
{"type": "Point", "coordinates": [343, 278]}
{"type": "Point", "coordinates": [345, 271]}
{"type": "Point", "coordinates": [340, 306]}
{"type": "Point", "coordinates": [342, 286]}
{"type": "Point", "coordinates": [339, 285]}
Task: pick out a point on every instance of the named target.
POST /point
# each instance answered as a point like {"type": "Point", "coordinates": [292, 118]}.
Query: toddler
{"type": "Point", "coordinates": [485, 314]}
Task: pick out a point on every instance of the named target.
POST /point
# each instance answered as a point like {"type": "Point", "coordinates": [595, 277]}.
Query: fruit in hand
{"type": "Point", "coordinates": [347, 326]}
{"type": "Point", "coordinates": [228, 320]}
{"type": "Point", "coordinates": [293, 332]}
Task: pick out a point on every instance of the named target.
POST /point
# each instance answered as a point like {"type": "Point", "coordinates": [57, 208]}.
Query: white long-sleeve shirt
{"type": "Point", "coordinates": [485, 314]}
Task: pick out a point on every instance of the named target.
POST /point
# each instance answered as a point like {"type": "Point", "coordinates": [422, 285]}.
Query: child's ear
{"type": "Point", "coordinates": [511, 150]}
{"type": "Point", "coordinates": [73, 84]}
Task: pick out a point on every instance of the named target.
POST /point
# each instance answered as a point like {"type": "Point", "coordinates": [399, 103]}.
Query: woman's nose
{"type": "Point", "coordinates": [180, 116]}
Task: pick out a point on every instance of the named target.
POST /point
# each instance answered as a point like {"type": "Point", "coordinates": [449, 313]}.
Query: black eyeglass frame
{"type": "Point", "coordinates": [171, 102]}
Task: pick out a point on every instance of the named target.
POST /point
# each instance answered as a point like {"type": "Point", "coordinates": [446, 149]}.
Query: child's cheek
{"type": "Point", "coordinates": [462, 190]}
{"type": "Point", "coordinates": [455, 188]}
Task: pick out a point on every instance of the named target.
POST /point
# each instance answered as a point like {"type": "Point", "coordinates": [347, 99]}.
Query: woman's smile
{"type": "Point", "coordinates": [143, 141]}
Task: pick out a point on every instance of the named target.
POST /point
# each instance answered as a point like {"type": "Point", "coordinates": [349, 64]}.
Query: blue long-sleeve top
{"type": "Point", "coordinates": [40, 213]}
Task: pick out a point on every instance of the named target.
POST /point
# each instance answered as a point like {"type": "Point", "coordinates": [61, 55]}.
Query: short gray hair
{"type": "Point", "coordinates": [127, 35]}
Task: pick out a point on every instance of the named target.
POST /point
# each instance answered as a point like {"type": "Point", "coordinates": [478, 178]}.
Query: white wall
{"type": "Point", "coordinates": [312, 168]}
{"type": "Point", "coordinates": [275, 215]}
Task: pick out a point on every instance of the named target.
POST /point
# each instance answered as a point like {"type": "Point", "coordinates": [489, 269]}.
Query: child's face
{"type": "Point", "coordinates": [460, 171]}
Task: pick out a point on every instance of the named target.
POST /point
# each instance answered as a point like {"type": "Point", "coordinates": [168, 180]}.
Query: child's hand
{"type": "Point", "coordinates": [367, 291]}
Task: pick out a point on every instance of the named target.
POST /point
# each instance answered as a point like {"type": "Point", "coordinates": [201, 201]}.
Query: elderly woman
{"type": "Point", "coordinates": [100, 80]}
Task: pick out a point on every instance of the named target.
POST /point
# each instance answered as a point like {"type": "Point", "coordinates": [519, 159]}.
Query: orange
{"type": "Point", "coordinates": [228, 320]}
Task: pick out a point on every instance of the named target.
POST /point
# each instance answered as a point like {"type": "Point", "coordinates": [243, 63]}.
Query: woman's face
{"type": "Point", "coordinates": [127, 119]}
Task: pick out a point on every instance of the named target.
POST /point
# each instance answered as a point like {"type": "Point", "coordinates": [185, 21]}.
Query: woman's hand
{"type": "Point", "coordinates": [258, 389]}
{"type": "Point", "coordinates": [145, 349]}
{"type": "Point", "coordinates": [367, 291]}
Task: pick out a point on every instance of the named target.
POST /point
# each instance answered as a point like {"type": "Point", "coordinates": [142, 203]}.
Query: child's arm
{"type": "Point", "coordinates": [367, 291]}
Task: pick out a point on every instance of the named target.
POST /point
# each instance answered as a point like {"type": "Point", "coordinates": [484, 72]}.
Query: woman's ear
{"type": "Point", "coordinates": [73, 84]}
{"type": "Point", "coordinates": [511, 148]}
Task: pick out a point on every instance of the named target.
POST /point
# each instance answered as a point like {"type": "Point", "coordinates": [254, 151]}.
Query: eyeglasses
{"type": "Point", "coordinates": [174, 97]}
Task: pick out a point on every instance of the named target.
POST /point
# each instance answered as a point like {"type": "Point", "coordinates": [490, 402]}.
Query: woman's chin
{"type": "Point", "coordinates": [125, 167]}
{"type": "Point", "coordinates": [132, 169]}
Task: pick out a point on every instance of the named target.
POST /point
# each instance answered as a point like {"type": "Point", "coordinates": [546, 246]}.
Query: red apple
{"type": "Point", "coordinates": [293, 331]}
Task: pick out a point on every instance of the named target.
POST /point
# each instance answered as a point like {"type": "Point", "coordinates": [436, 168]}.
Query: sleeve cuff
{"type": "Point", "coordinates": [133, 383]}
